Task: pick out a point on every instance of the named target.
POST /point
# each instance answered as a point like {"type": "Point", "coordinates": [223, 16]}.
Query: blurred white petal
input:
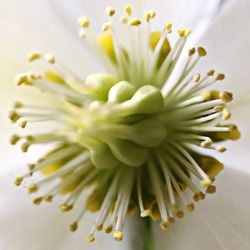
{"type": "Point", "coordinates": [220, 222]}
{"type": "Point", "coordinates": [228, 46]}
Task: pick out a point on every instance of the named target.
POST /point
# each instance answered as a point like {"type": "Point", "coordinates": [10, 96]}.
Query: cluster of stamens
{"type": "Point", "coordinates": [133, 139]}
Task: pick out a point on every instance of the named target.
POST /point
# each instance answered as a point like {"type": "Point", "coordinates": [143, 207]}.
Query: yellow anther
{"type": "Point", "coordinates": [168, 27]}
{"type": "Point", "coordinates": [180, 214]}
{"type": "Point", "coordinates": [48, 198]}
{"type": "Point", "coordinates": [18, 105]}
{"type": "Point", "coordinates": [22, 79]}
{"type": "Point", "coordinates": [196, 197]}
{"type": "Point", "coordinates": [211, 72]}
{"type": "Point", "coordinates": [13, 116]}
{"type": "Point", "coordinates": [110, 11]}
{"type": "Point", "coordinates": [145, 213]}
{"type": "Point", "coordinates": [99, 227]}
{"type": "Point", "coordinates": [220, 77]}
{"type": "Point", "coordinates": [152, 14]}
{"type": "Point", "coordinates": [31, 166]}
{"type": "Point", "coordinates": [221, 149]}
{"type": "Point", "coordinates": [22, 123]}
{"type": "Point", "coordinates": [106, 26]}
{"type": "Point", "coordinates": [37, 201]}
{"type": "Point", "coordinates": [196, 77]}
{"type": "Point", "coordinates": [83, 22]}
{"type": "Point", "coordinates": [207, 143]}
{"type": "Point", "coordinates": [18, 181]}
{"type": "Point", "coordinates": [206, 183]}
{"type": "Point", "coordinates": [147, 16]}
{"type": "Point", "coordinates": [201, 51]}
{"type": "Point", "coordinates": [50, 58]}
{"type": "Point", "coordinates": [25, 146]}
{"type": "Point", "coordinates": [164, 225]}
{"type": "Point", "coordinates": [171, 220]}
{"type": "Point", "coordinates": [65, 207]}
{"type": "Point", "coordinates": [226, 114]}
{"type": "Point", "coordinates": [218, 108]}
{"type": "Point", "coordinates": [73, 227]}
{"type": "Point", "coordinates": [191, 52]}
{"type": "Point", "coordinates": [123, 19]}
{"type": "Point", "coordinates": [202, 196]}
{"type": "Point", "coordinates": [34, 55]}
{"type": "Point", "coordinates": [109, 229]}
{"type": "Point", "coordinates": [188, 31]}
{"type": "Point", "coordinates": [190, 207]}
{"type": "Point", "coordinates": [226, 96]}
{"type": "Point", "coordinates": [118, 235]}
{"type": "Point", "coordinates": [91, 238]}
{"type": "Point", "coordinates": [181, 32]}
{"type": "Point", "coordinates": [134, 22]}
{"type": "Point", "coordinates": [211, 189]}
{"type": "Point", "coordinates": [33, 188]}
{"type": "Point", "coordinates": [14, 139]}
{"type": "Point", "coordinates": [82, 34]}
{"type": "Point", "coordinates": [128, 10]}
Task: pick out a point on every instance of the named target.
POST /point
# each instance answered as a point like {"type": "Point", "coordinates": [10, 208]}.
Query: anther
{"type": "Point", "coordinates": [13, 116]}
{"type": "Point", "coordinates": [207, 143]}
{"type": "Point", "coordinates": [201, 51]}
{"type": "Point", "coordinates": [50, 58]}
{"type": "Point", "coordinates": [83, 22]}
{"type": "Point", "coordinates": [22, 79]}
{"type": "Point", "coordinates": [164, 225]}
{"type": "Point", "coordinates": [211, 72]}
{"type": "Point", "coordinates": [34, 55]}
{"type": "Point", "coordinates": [196, 77]}
{"type": "Point", "coordinates": [180, 214]}
{"type": "Point", "coordinates": [48, 198]}
{"type": "Point", "coordinates": [168, 27]}
{"type": "Point", "coordinates": [152, 14]}
{"type": "Point", "coordinates": [18, 105]}
{"type": "Point", "coordinates": [226, 114]}
{"type": "Point", "coordinates": [196, 197]}
{"type": "Point", "coordinates": [110, 11]}
{"type": "Point", "coordinates": [145, 213]}
{"type": "Point", "coordinates": [190, 207]}
{"type": "Point", "coordinates": [91, 238]}
{"type": "Point", "coordinates": [106, 26]}
{"type": "Point", "coordinates": [109, 229]}
{"type": "Point", "coordinates": [218, 108]}
{"type": "Point", "coordinates": [211, 189]}
{"type": "Point", "coordinates": [25, 146]}
{"type": "Point", "coordinates": [226, 96]}
{"type": "Point", "coordinates": [99, 227]}
{"type": "Point", "coordinates": [73, 227]}
{"type": "Point", "coordinates": [188, 31]}
{"type": "Point", "coordinates": [134, 22]}
{"type": "Point", "coordinates": [33, 188]}
{"type": "Point", "coordinates": [181, 32]}
{"type": "Point", "coordinates": [65, 207]}
{"type": "Point", "coordinates": [220, 77]}
{"type": "Point", "coordinates": [128, 10]}
{"type": "Point", "coordinates": [22, 123]}
{"type": "Point", "coordinates": [18, 181]}
{"type": "Point", "coordinates": [206, 183]}
{"type": "Point", "coordinates": [118, 235]}
{"type": "Point", "coordinates": [123, 19]}
{"type": "Point", "coordinates": [221, 149]}
{"type": "Point", "coordinates": [14, 139]}
{"type": "Point", "coordinates": [38, 200]}
{"type": "Point", "coordinates": [191, 52]}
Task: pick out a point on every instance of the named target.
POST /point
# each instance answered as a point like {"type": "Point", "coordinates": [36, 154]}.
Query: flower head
{"type": "Point", "coordinates": [134, 137]}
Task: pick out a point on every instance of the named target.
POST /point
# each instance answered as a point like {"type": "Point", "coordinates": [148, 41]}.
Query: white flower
{"type": "Point", "coordinates": [159, 77]}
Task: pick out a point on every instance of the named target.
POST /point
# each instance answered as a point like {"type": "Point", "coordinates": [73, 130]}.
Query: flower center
{"type": "Point", "coordinates": [140, 135]}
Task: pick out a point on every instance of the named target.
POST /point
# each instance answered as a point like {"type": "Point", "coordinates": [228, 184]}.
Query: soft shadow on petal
{"type": "Point", "coordinates": [220, 222]}
{"type": "Point", "coordinates": [228, 45]}
{"type": "Point", "coordinates": [25, 226]}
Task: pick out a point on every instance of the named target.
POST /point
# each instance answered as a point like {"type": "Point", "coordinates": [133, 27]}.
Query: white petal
{"type": "Point", "coordinates": [220, 222]}
{"type": "Point", "coordinates": [228, 45]}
